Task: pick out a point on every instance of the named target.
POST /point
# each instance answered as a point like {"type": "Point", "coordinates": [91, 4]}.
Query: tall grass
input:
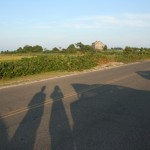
{"type": "Point", "coordinates": [34, 65]}
{"type": "Point", "coordinates": [58, 62]}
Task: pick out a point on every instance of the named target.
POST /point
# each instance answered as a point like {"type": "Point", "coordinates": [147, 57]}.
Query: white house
{"type": "Point", "coordinates": [98, 45]}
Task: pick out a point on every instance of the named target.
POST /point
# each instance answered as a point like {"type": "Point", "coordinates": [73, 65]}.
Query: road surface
{"type": "Point", "coordinates": [100, 110]}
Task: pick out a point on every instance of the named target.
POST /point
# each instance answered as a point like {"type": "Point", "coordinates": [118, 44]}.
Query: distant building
{"type": "Point", "coordinates": [98, 45]}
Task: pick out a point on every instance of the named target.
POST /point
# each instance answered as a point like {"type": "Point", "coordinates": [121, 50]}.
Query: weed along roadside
{"type": "Point", "coordinates": [39, 64]}
{"type": "Point", "coordinates": [49, 66]}
{"type": "Point", "coordinates": [4, 83]}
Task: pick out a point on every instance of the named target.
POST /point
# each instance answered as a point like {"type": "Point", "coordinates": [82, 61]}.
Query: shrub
{"type": "Point", "coordinates": [34, 65]}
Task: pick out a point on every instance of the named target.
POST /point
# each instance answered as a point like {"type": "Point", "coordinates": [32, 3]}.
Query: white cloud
{"type": "Point", "coordinates": [124, 20]}
{"type": "Point", "coordinates": [136, 20]}
{"type": "Point", "coordinates": [91, 22]}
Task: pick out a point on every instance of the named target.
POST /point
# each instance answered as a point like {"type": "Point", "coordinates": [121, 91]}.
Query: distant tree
{"type": "Point", "coordinates": [37, 48]}
{"type": "Point", "coordinates": [105, 48]}
{"type": "Point", "coordinates": [19, 50]}
{"type": "Point", "coordinates": [116, 48]}
{"type": "Point", "coordinates": [84, 48]}
{"type": "Point", "coordinates": [141, 49]}
{"type": "Point", "coordinates": [128, 50]}
{"type": "Point", "coordinates": [71, 49]}
{"type": "Point", "coordinates": [45, 49]}
{"type": "Point", "coordinates": [55, 50]}
{"type": "Point", "coordinates": [7, 52]}
{"type": "Point", "coordinates": [80, 46]}
{"type": "Point", "coordinates": [64, 50]}
{"type": "Point", "coordinates": [30, 49]}
{"type": "Point", "coordinates": [27, 49]}
{"type": "Point", "coordinates": [88, 48]}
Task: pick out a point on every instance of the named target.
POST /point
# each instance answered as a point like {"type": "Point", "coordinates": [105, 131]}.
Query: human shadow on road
{"type": "Point", "coordinates": [144, 74]}
{"type": "Point", "coordinates": [111, 117]}
{"type": "Point", "coordinates": [59, 129]}
{"type": "Point", "coordinates": [105, 117]}
{"type": "Point", "coordinates": [24, 137]}
{"type": "Point", "coordinates": [4, 143]}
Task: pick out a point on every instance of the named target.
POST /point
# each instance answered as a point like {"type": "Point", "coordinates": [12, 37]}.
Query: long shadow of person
{"type": "Point", "coordinates": [24, 137]}
{"type": "Point", "coordinates": [111, 117]}
{"type": "Point", "coordinates": [60, 131]}
{"type": "Point", "coordinates": [4, 142]}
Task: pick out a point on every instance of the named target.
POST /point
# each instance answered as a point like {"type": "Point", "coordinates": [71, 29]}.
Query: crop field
{"type": "Point", "coordinates": [17, 66]}
{"type": "Point", "coordinates": [12, 66]}
{"type": "Point", "coordinates": [13, 57]}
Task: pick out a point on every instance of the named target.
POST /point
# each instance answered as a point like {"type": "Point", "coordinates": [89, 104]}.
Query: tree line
{"type": "Point", "coordinates": [135, 49]}
{"type": "Point", "coordinates": [72, 48]}
{"type": "Point", "coordinates": [25, 49]}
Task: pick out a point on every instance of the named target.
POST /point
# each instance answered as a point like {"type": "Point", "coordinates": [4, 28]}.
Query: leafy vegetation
{"type": "Point", "coordinates": [74, 58]}
{"type": "Point", "coordinates": [34, 65]}
{"type": "Point", "coordinates": [25, 49]}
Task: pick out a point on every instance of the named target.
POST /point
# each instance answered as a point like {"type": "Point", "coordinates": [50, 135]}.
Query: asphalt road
{"type": "Point", "coordinates": [100, 110]}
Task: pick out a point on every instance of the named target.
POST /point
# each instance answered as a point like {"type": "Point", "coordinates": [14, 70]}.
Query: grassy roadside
{"type": "Point", "coordinates": [54, 74]}
{"type": "Point", "coordinates": [60, 65]}
{"type": "Point", "coordinates": [32, 78]}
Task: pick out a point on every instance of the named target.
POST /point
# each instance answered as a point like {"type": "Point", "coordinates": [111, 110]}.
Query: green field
{"type": "Point", "coordinates": [22, 65]}
{"type": "Point", "coordinates": [13, 57]}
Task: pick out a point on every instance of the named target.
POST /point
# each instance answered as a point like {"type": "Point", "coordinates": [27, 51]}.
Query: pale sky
{"type": "Point", "coordinates": [59, 23]}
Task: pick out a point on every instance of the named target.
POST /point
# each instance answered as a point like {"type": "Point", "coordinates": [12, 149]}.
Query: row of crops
{"type": "Point", "coordinates": [47, 63]}
{"type": "Point", "coordinates": [34, 65]}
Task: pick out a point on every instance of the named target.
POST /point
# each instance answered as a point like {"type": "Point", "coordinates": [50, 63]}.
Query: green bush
{"type": "Point", "coordinates": [34, 65]}
{"type": "Point", "coordinates": [47, 63]}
